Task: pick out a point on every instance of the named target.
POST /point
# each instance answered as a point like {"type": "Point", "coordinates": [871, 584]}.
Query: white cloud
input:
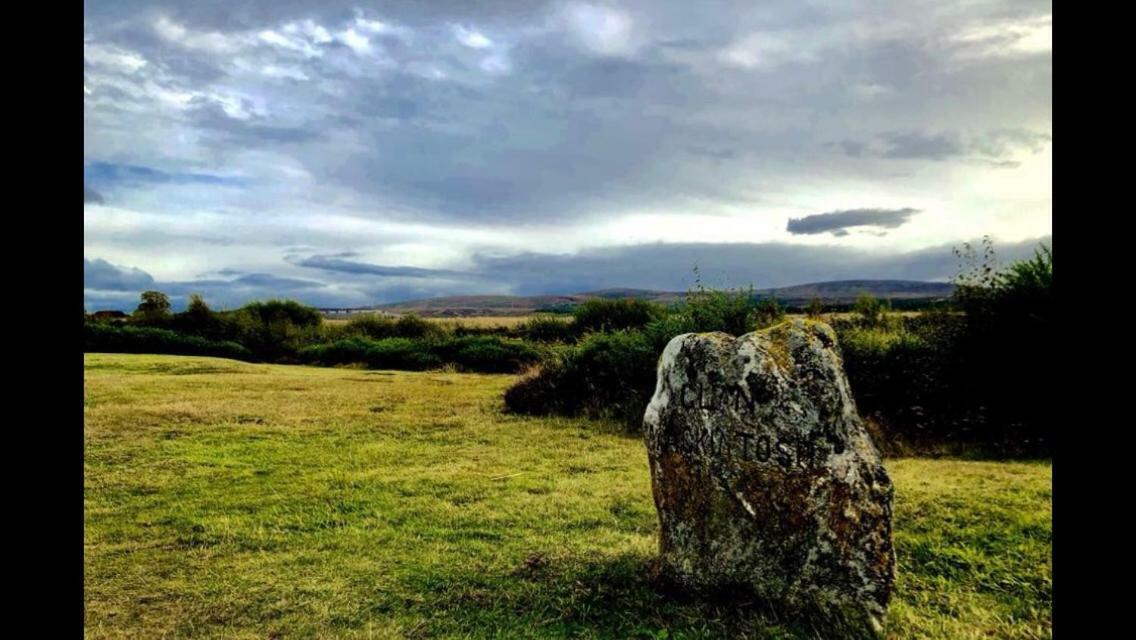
{"type": "Point", "coordinates": [603, 30]}
{"type": "Point", "coordinates": [471, 38]}
{"type": "Point", "coordinates": [379, 27]}
{"type": "Point", "coordinates": [310, 30]}
{"type": "Point", "coordinates": [767, 49]}
{"type": "Point", "coordinates": [274, 71]}
{"type": "Point", "coordinates": [496, 63]}
{"type": "Point", "coordinates": [212, 42]}
{"type": "Point", "coordinates": [356, 41]}
{"type": "Point", "coordinates": [869, 90]}
{"type": "Point", "coordinates": [695, 139]}
{"type": "Point", "coordinates": [112, 57]}
{"type": "Point", "coordinates": [374, 26]}
{"type": "Point", "coordinates": [1007, 38]}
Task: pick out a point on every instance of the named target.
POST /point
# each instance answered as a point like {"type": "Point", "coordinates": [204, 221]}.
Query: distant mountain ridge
{"type": "Point", "coordinates": [834, 292]}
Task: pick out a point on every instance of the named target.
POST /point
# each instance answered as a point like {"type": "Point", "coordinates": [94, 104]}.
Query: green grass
{"type": "Point", "coordinates": [235, 500]}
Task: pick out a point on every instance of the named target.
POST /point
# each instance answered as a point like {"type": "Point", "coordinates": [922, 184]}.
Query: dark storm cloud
{"type": "Point", "coordinates": [276, 282]}
{"type": "Point", "coordinates": [107, 286]}
{"type": "Point", "coordinates": [354, 126]}
{"type": "Point", "coordinates": [100, 274]}
{"type": "Point", "coordinates": [917, 145]}
{"type": "Point", "coordinates": [838, 222]}
{"type": "Point", "coordinates": [993, 146]}
{"type": "Point", "coordinates": [92, 196]}
{"type": "Point", "coordinates": [660, 266]}
{"type": "Point", "coordinates": [110, 173]}
{"type": "Point", "coordinates": [211, 116]}
{"type": "Point", "coordinates": [563, 110]}
{"type": "Point", "coordinates": [336, 264]}
{"type": "Point", "coordinates": [670, 266]}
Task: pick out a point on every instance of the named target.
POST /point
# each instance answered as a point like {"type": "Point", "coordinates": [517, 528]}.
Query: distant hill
{"type": "Point", "coordinates": [841, 292]}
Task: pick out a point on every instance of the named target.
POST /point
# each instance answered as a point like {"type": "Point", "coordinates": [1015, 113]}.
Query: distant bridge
{"type": "Point", "coordinates": [346, 311]}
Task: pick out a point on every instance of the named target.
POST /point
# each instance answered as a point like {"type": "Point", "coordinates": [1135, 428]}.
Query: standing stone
{"type": "Point", "coordinates": [764, 476]}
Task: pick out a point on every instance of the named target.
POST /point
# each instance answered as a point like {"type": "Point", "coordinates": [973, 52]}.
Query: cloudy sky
{"type": "Point", "coordinates": [347, 153]}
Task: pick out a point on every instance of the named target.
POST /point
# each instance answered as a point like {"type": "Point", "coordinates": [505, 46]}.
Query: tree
{"type": "Point", "coordinates": [767, 312]}
{"type": "Point", "coordinates": [870, 309]}
{"type": "Point", "coordinates": [976, 278]}
{"type": "Point", "coordinates": [154, 306]}
{"type": "Point", "coordinates": [198, 318]}
{"type": "Point", "coordinates": [815, 308]}
{"type": "Point", "coordinates": [197, 306]}
{"type": "Point", "coordinates": [1025, 289]}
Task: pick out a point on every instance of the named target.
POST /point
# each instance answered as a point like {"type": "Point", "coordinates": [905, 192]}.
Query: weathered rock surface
{"type": "Point", "coordinates": [764, 476]}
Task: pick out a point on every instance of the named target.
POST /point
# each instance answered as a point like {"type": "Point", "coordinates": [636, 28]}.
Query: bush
{"type": "Point", "coordinates": [766, 313]}
{"type": "Point", "coordinates": [544, 390]}
{"type": "Point", "coordinates": [618, 371]}
{"type": "Point", "coordinates": [1003, 356]}
{"type": "Point", "coordinates": [486, 354]}
{"type": "Point", "coordinates": [389, 353]}
{"type": "Point", "coordinates": [815, 308]}
{"type": "Point", "coordinates": [272, 337]}
{"type": "Point", "coordinates": [608, 375]}
{"type": "Point", "coordinates": [106, 338]}
{"type": "Point", "coordinates": [277, 311]}
{"type": "Point", "coordinates": [871, 310]}
{"type": "Point", "coordinates": [411, 326]}
{"type": "Point", "coordinates": [198, 319]}
{"type": "Point", "coordinates": [728, 311]}
{"type": "Point", "coordinates": [371, 325]}
{"type": "Point", "coordinates": [549, 329]}
{"type": "Point", "coordinates": [661, 331]}
{"type": "Point", "coordinates": [598, 314]}
{"type": "Point", "coordinates": [734, 312]}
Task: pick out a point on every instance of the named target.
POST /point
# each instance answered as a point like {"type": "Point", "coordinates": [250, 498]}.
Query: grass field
{"type": "Point", "coordinates": [484, 322]}
{"type": "Point", "coordinates": [234, 500]}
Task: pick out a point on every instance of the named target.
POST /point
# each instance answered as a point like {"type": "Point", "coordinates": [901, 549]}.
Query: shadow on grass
{"type": "Point", "coordinates": [620, 597]}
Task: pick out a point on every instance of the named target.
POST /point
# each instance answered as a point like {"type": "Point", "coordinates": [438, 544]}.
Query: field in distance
{"type": "Point", "coordinates": [510, 322]}
{"type": "Point", "coordinates": [236, 500]}
{"type": "Point", "coordinates": [836, 292]}
{"type": "Point", "coordinates": [476, 322]}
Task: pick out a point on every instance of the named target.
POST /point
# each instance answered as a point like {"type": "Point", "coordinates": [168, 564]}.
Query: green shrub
{"type": "Point", "coordinates": [411, 326]}
{"type": "Point", "coordinates": [546, 390]}
{"type": "Point", "coordinates": [871, 310]}
{"type": "Point", "coordinates": [371, 325]}
{"type": "Point", "coordinates": [388, 353]}
{"type": "Point", "coordinates": [815, 308]}
{"type": "Point", "coordinates": [277, 311]}
{"type": "Point", "coordinates": [728, 311]}
{"type": "Point", "coordinates": [548, 329]}
{"type": "Point", "coordinates": [272, 337]}
{"type": "Point", "coordinates": [108, 338]}
{"type": "Point", "coordinates": [198, 319]}
{"type": "Point", "coordinates": [599, 314]}
{"type": "Point", "coordinates": [608, 375]}
{"type": "Point", "coordinates": [486, 354]}
{"type": "Point", "coordinates": [735, 312]}
{"type": "Point", "coordinates": [766, 313]}
{"type": "Point", "coordinates": [659, 332]}
{"type": "Point", "coordinates": [619, 371]}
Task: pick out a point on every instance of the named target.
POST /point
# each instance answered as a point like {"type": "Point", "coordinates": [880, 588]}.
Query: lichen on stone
{"type": "Point", "coordinates": [763, 474]}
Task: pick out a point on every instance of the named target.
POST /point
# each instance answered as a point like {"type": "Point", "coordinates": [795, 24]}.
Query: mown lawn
{"type": "Point", "coordinates": [235, 500]}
